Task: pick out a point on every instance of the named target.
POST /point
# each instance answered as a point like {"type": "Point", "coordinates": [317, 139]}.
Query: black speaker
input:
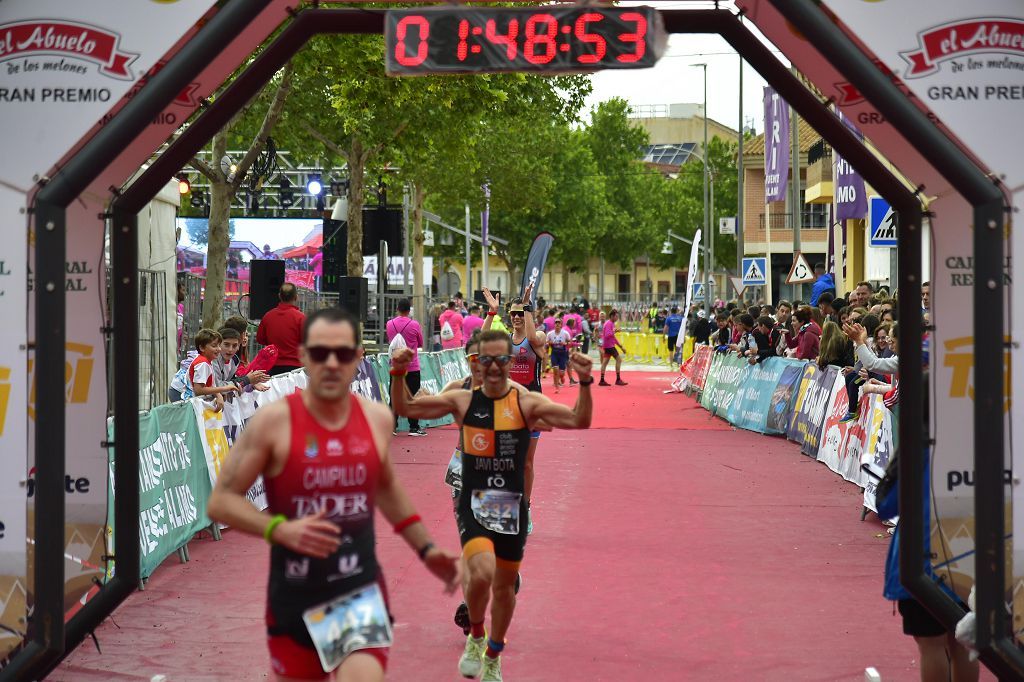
{"type": "Point", "coordinates": [382, 224]}
{"type": "Point", "coordinates": [265, 280]}
{"type": "Point", "coordinates": [352, 296]}
{"type": "Point", "coordinates": [478, 297]}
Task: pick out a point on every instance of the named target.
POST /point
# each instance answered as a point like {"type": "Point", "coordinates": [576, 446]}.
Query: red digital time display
{"type": "Point", "coordinates": [558, 39]}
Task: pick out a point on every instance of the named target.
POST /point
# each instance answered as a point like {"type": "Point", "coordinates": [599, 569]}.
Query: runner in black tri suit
{"type": "Point", "coordinates": [495, 420]}
{"type": "Point", "coordinates": [529, 347]}
{"type": "Point", "coordinates": [453, 474]}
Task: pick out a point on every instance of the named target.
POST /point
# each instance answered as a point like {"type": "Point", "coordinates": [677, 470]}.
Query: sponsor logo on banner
{"type": "Point", "coordinates": [70, 43]}
{"type": "Point", "coordinates": [72, 484]}
{"type": "Point", "coordinates": [77, 376]}
{"type": "Point", "coordinates": [965, 38]}
{"type": "Point", "coordinates": [959, 358]}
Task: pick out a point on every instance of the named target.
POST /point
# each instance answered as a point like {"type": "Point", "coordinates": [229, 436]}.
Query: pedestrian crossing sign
{"type": "Point", "coordinates": [883, 221]}
{"type": "Point", "coordinates": [754, 272]}
{"type": "Point", "coordinates": [698, 291]}
{"type": "Point", "coordinates": [801, 272]}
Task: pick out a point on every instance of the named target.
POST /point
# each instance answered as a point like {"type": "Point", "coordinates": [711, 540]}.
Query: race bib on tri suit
{"type": "Point", "coordinates": [453, 476]}
{"type": "Point", "coordinates": [497, 510]}
{"type": "Point", "coordinates": [353, 621]}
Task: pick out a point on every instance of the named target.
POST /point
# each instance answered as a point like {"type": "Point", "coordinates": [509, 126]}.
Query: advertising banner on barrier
{"type": "Point", "coordinates": [752, 406]}
{"type": "Point", "coordinates": [813, 397]}
{"type": "Point", "coordinates": [701, 365]}
{"type": "Point", "coordinates": [842, 442]}
{"type": "Point", "coordinates": [723, 383]}
{"type": "Point", "coordinates": [174, 485]}
{"type": "Point", "coordinates": [781, 406]}
{"type": "Point", "coordinates": [879, 445]}
{"type": "Point", "coordinates": [220, 429]}
{"type": "Point", "coordinates": [365, 383]}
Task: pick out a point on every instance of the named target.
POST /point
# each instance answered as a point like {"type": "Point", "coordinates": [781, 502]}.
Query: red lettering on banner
{"type": "Point", "coordinates": [70, 39]}
{"type": "Point", "coordinates": [970, 36]}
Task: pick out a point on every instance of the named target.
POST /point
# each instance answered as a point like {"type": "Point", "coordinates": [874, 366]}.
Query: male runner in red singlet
{"type": "Point", "coordinates": [323, 455]}
{"type": "Point", "coordinates": [495, 421]}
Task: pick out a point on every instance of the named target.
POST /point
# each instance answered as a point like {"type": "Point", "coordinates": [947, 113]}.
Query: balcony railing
{"type": "Point", "coordinates": [809, 220]}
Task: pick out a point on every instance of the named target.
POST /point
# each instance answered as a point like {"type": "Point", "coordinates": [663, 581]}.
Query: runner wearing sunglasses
{"type": "Point", "coordinates": [323, 456]}
{"type": "Point", "coordinates": [495, 422]}
{"type": "Point", "coordinates": [529, 348]}
{"type": "Point", "coordinates": [453, 474]}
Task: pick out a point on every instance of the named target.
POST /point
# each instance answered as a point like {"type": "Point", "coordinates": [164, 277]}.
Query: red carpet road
{"type": "Point", "coordinates": [667, 546]}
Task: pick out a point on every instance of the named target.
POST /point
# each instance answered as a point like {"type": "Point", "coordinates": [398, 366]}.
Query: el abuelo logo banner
{"type": "Point", "coordinates": [961, 39]}
{"type": "Point", "coordinates": [65, 38]}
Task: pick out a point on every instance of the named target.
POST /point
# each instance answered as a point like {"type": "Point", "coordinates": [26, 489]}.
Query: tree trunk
{"type": "Point", "coordinates": [418, 293]}
{"type": "Point", "coordinates": [356, 200]}
{"type": "Point", "coordinates": [221, 194]}
{"type": "Point", "coordinates": [565, 282]}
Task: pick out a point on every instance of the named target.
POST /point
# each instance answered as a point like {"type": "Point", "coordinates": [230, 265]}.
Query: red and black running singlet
{"type": "Point", "coordinates": [336, 471]}
{"type": "Point", "coordinates": [525, 367]}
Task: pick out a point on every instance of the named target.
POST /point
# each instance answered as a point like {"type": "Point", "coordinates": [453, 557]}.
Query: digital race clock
{"type": "Point", "coordinates": [558, 39]}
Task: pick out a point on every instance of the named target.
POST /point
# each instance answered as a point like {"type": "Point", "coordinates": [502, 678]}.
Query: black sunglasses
{"type": "Point", "coordinates": [516, 313]}
{"type": "Point", "coordinates": [486, 360]}
{"type": "Point", "coordinates": [344, 354]}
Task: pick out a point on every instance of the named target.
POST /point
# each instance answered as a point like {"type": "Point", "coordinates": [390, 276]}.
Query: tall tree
{"type": "Point", "coordinates": [225, 181]}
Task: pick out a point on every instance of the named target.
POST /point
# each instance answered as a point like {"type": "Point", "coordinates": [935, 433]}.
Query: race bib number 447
{"type": "Point", "coordinates": [356, 620]}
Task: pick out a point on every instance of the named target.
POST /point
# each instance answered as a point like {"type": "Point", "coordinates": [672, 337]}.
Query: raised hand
{"type": "Point", "coordinates": [492, 300]}
{"type": "Point", "coordinates": [528, 294]}
{"type": "Point", "coordinates": [581, 364]}
{"type": "Point", "coordinates": [401, 358]}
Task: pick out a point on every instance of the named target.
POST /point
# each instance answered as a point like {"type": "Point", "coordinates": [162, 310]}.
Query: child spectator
{"type": "Point", "coordinates": [747, 346]}
{"type": "Point", "coordinates": [241, 325]}
{"type": "Point", "coordinates": [722, 336]}
{"type": "Point", "coordinates": [179, 388]}
{"type": "Point", "coordinates": [226, 364]}
{"type": "Point", "coordinates": [834, 347]}
{"type": "Point", "coordinates": [808, 336]}
{"type": "Point", "coordinates": [200, 372]}
{"type": "Point", "coordinates": [767, 336]}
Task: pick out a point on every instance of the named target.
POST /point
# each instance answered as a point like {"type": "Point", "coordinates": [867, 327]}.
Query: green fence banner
{"type": "Point", "coordinates": [174, 484]}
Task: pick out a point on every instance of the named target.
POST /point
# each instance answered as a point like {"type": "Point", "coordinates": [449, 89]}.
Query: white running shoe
{"type": "Point", "coordinates": [492, 669]}
{"type": "Point", "coordinates": [472, 660]}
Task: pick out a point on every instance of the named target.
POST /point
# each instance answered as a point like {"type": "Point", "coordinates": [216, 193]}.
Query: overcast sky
{"type": "Point", "coordinates": [673, 80]}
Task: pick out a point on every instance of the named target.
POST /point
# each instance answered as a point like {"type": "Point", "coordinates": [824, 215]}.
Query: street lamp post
{"type": "Point", "coordinates": [709, 253]}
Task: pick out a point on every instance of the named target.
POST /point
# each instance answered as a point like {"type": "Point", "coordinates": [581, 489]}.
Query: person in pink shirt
{"type": "Point", "coordinates": [413, 334]}
{"type": "Point", "coordinates": [549, 321]}
{"type": "Point", "coordinates": [573, 322]}
{"type": "Point", "coordinates": [610, 347]}
{"type": "Point", "coordinates": [316, 264]}
{"type": "Point", "coordinates": [454, 319]}
{"type": "Point", "coordinates": [472, 322]}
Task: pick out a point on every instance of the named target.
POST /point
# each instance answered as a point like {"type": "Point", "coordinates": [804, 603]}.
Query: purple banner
{"type": "Point", "coordinates": [813, 395]}
{"type": "Point", "coordinates": [776, 146]}
{"type": "Point", "coordinates": [851, 200]}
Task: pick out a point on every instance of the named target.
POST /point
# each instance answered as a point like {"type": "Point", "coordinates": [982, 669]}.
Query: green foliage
{"type": "Point", "coordinates": [199, 230]}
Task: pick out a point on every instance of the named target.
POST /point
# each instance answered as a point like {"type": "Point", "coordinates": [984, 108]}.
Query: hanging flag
{"type": "Point", "coordinates": [534, 270]}
{"type": "Point", "coordinates": [691, 277]}
{"type": "Point", "coordinates": [776, 146]}
{"type": "Point", "coordinates": [851, 201]}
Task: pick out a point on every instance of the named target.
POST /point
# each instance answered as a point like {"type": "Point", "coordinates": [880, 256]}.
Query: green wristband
{"type": "Point", "coordinates": [274, 523]}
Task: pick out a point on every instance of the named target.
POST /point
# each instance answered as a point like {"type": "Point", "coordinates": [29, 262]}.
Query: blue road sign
{"type": "Point", "coordinates": [754, 270]}
{"type": "Point", "coordinates": [883, 222]}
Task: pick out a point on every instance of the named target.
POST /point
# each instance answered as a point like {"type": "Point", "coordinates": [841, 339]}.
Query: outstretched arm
{"type": "Point", "coordinates": [424, 407]}
{"type": "Point", "coordinates": [542, 408]}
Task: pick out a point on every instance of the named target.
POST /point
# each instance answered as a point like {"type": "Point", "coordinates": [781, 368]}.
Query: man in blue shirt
{"type": "Point", "coordinates": [823, 283]}
{"type": "Point", "coordinates": [673, 323]}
